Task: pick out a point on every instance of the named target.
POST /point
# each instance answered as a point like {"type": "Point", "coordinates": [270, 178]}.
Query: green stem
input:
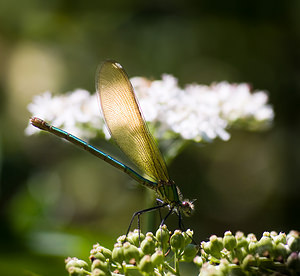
{"type": "Point", "coordinates": [170, 268]}
{"type": "Point", "coordinates": [176, 262]}
{"type": "Point", "coordinates": [158, 271]}
{"type": "Point", "coordinates": [87, 272]}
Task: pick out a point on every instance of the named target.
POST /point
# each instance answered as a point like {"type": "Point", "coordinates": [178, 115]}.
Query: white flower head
{"type": "Point", "coordinates": [76, 112]}
{"type": "Point", "coordinates": [196, 112]}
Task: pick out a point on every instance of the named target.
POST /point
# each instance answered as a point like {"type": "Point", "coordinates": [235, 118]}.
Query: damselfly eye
{"type": "Point", "coordinates": [187, 208]}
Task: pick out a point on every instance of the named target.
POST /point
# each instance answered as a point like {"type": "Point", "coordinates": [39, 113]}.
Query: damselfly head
{"type": "Point", "coordinates": [187, 207]}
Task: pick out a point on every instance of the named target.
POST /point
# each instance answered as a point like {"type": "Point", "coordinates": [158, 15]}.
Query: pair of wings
{"type": "Point", "coordinates": [125, 121]}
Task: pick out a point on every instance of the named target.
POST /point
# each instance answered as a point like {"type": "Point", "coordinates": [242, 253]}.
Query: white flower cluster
{"type": "Point", "coordinates": [76, 112]}
{"type": "Point", "coordinates": [197, 112]}
{"type": "Point", "coordinates": [201, 112]}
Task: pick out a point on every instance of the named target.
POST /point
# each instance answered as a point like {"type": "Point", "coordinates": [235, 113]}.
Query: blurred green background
{"type": "Point", "coordinates": [56, 200]}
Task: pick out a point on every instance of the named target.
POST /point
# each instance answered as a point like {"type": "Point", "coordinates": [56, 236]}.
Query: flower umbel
{"type": "Point", "coordinates": [231, 254]}
{"type": "Point", "coordinates": [196, 112]}
{"type": "Point", "coordinates": [77, 112]}
{"type": "Point", "coordinates": [145, 258]}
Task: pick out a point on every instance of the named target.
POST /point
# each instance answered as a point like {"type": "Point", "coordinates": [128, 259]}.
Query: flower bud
{"type": "Point", "coordinates": [294, 241]}
{"type": "Point", "coordinates": [252, 247]}
{"type": "Point", "coordinates": [264, 245]}
{"type": "Point", "coordinates": [251, 238]}
{"type": "Point", "coordinates": [98, 264]}
{"type": "Point", "coordinates": [198, 261]}
{"type": "Point", "coordinates": [97, 255]}
{"type": "Point", "coordinates": [146, 265]}
{"type": "Point", "coordinates": [76, 271]}
{"type": "Point", "coordinates": [273, 234]}
{"type": "Point", "coordinates": [188, 234]}
{"type": "Point", "coordinates": [206, 247]}
{"type": "Point", "coordinates": [177, 241]}
{"type": "Point", "coordinates": [150, 234]}
{"type": "Point", "coordinates": [280, 238]}
{"type": "Point", "coordinates": [280, 251]}
{"type": "Point", "coordinates": [148, 245]}
{"type": "Point", "coordinates": [105, 251]}
{"type": "Point", "coordinates": [96, 245]}
{"type": "Point", "coordinates": [189, 252]}
{"type": "Point", "coordinates": [130, 252]}
{"type": "Point", "coordinates": [241, 240]}
{"type": "Point", "coordinates": [215, 246]}
{"type": "Point", "coordinates": [252, 243]}
{"type": "Point", "coordinates": [121, 239]}
{"type": "Point", "coordinates": [74, 262]}
{"type": "Point", "coordinates": [117, 253]}
{"type": "Point", "coordinates": [229, 241]}
{"type": "Point", "coordinates": [157, 258]}
{"type": "Point", "coordinates": [135, 237]}
{"type": "Point", "coordinates": [162, 236]}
